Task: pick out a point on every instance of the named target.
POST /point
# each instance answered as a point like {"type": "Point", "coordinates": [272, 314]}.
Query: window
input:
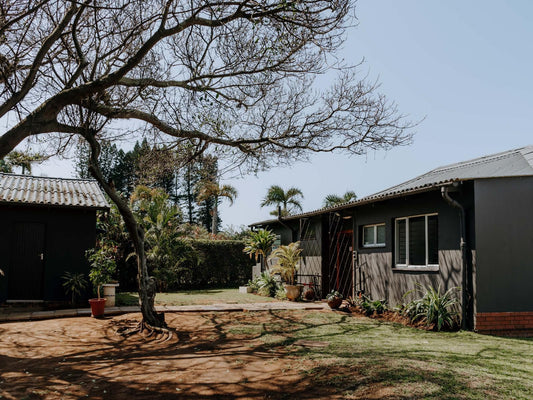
{"type": "Point", "coordinates": [417, 241]}
{"type": "Point", "coordinates": [374, 235]}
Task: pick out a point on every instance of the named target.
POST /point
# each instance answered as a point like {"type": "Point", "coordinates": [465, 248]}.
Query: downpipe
{"type": "Point", "coordinates": [466, 275]}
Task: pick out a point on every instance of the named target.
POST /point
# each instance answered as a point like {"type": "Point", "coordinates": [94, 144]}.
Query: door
{"type": "Point", "coordinates": [343, 274]}
{"type": "Point", "coordinates": [26, 271]}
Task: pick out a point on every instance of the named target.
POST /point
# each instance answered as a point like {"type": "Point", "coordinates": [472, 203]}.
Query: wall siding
{"type": "Point", "coordinates": [379, 278]}
{"type": "Point", "coordinates": [504, 226]}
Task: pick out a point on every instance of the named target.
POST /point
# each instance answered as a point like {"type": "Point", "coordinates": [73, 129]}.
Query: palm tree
{"type": "Point", "coordinates": [333, 200]}
{"type": "Point", "coordinates": [210, 189]}
{"type": "Point", "coordinates": [288, 200]}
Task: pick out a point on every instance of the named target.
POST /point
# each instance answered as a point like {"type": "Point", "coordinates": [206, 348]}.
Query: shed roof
{"type": "Point", "coordinates": [33, 190]}
{"type": "Point", "coordinates": [511, 163]}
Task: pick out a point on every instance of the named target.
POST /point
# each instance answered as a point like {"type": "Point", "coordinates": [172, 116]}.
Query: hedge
{"type": "Point", "coordinates": [200, 264]}
{"type": "Point", "coordinates": [221, 264]}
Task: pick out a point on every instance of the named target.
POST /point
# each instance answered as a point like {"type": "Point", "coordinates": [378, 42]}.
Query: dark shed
{"type": "Point", "coordinates": [47, 224]}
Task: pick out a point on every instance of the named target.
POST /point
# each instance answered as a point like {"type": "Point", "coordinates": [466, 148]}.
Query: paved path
{"type": "Point", "coordinates": [86, 312]}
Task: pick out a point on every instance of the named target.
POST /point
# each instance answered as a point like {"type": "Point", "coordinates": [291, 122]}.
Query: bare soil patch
{"type": "Point", "coordinates": [85, 358]}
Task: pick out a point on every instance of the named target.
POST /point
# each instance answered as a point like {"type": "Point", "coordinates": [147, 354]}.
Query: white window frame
{"type": "Point", "coordinates": [396, 242]}
{"type": "Point", "coordinates": [375, 241]}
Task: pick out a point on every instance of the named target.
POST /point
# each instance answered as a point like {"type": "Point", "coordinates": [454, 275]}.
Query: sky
{"type": "Point", "coordinates": [462, 68]}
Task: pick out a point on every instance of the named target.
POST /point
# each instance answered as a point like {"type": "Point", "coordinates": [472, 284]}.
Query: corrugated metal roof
{"type": "Point", "coordinates": [24, 189]}
{"type": "Point", "coordinates": [512, 163]}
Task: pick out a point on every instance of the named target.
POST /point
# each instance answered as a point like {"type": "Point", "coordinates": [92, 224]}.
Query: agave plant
{"type": "Point", "coordinates": [434, 307]}
{"type": "Point", "coordinates": [287, 261]}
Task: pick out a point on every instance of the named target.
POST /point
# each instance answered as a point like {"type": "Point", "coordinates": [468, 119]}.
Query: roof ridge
{"type": "Point", "coordinates": [48, 177]}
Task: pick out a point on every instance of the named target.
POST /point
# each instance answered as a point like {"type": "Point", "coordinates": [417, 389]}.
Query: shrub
{"type": "Point", "coordinates": [373, 306]}
{"type": "Point", "coordinates": [103, 265]}
{"type": "Point", "coordinates": [220, 263]}
{"type": "Point", "coordinates": [74, 284]}
{"type": "Point", "coordinates": [281, 294]}
{"type": "Point", "coordinates": [259, 243]}
{"type": "Point", "coordinates": [434, 308]}
{"type": "Point", "coordinates": [254, 284]}
{"type": "Point", "coordinates": [268, 285]}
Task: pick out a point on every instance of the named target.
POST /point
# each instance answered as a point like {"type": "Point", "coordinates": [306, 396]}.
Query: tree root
{"type": "Point", "coordinates": [154, 332]}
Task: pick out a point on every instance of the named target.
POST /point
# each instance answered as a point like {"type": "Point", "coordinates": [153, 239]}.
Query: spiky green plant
{"type": "Point", "coordinates": [436, 308]}
{"type": "Point", "coordinates": [74, 284]}
{"type": "Point", "coordinates": [259, 243]}
{"type": "Point", "coordinates": [267, 285]}
{"type": "Point", "coordinates": [287, 261]}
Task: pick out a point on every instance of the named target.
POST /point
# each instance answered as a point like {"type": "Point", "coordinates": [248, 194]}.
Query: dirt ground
{"type": "Point", "coordinates": [85, 358]}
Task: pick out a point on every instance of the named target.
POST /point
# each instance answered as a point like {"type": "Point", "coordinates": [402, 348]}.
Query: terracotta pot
{"type": "Point", "coordinates": [309, 294]}
{"type": "Point", "coordinates": [97, 307]}
{"type": "Point", "coordinates": [335, 302]}
{"type": "Point", "coordinates": [293, 292]}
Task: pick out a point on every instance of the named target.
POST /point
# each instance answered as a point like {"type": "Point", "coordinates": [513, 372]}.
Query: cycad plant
{"type": "Point", "coordinates": [287, 261]}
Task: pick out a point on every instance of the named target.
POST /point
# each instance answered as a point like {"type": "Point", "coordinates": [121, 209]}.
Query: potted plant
{"type": "Point", "coordinates": [103, 267]}
{"type": "Point", "coordinates": [74, 284]}
{"type": "Point", "coordinates": [287, 260]}
{"type": "Point", "coordinates": [334, 299]}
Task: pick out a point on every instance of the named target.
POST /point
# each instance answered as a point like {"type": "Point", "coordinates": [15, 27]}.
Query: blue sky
{"type": "Point", "coordinates": [463, 66]}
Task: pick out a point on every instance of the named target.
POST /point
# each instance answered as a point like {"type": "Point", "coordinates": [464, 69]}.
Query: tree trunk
{"type": "Point", "coordinates": [215, 217]}
{"type": "Point", "coordinates": [146, 283]}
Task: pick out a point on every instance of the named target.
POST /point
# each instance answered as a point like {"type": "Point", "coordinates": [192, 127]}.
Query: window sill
{"type": "Point", "coordinates": [373, 246]}
{"type": "Point", "coordinates": [431, 268]}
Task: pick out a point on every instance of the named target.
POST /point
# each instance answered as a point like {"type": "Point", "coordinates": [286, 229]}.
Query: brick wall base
{"type": "Point", "coordinates": [505, 323]}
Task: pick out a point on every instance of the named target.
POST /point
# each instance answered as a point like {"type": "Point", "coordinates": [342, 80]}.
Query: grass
{"type": "Point", "coordinates": [194, 297]}
{"type": "Point", "coordinates": [365, 358]}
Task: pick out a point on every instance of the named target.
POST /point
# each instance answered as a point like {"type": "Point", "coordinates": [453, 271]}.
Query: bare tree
{"type": "Point", "coordinates": [234, 78]}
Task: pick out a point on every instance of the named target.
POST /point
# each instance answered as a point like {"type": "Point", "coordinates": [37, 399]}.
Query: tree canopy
{"type": "Point", "coordinates": [230, 78]}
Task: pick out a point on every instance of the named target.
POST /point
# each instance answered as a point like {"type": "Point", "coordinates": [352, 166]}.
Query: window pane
{"type": "Point", "coordinates": [381, 234]}
{"type": "Point", "coordinates": [417, 241]}
{"type": "Point", "coordinates": [400, 242]}
{"type": "Point", "coordinates": [433, 240]}
{"type": "Point", "coordinates": [368, 235]}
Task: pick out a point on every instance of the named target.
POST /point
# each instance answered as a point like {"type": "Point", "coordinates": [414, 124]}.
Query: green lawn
{"type": "Point", "coordinates": [364, 358]}
{"type": "Point", "coordinates": [192, 297]}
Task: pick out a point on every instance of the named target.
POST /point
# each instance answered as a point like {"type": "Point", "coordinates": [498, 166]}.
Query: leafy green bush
{"type": "Point", "coordinates": [434, 308]}
{"type": "Point", "coordinates": [259, 243]}
{"type": "Point", "coordinates": [281, 294]}
{"type": "Point", "coordinates": [370, 306]}
{"type": "Point", "coordinates": [74, 284]}
{"type": "Point", "coordinates": [220, 263]}
{"type": "Point", "coordinates": [287, 261]}
{"type": "Point", "coordinates": [103, 265]}
{"type": "Point", "coordinates": [268, 285]}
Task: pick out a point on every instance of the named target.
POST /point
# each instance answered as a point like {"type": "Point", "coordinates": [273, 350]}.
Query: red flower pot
{"type": "Point", "coordinates": [97, 307]}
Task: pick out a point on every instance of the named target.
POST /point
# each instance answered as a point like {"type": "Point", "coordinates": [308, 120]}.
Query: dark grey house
{"type": "Point", "coordinates": [468, 224]}
{"type": "Point", "coordinates": [47, 224]}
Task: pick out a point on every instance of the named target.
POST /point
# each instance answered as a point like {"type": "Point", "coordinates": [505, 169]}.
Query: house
{"type": "Point", "coordinates": [47, 224]}
{"type": "Point", "coordinates": [467, 225]}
